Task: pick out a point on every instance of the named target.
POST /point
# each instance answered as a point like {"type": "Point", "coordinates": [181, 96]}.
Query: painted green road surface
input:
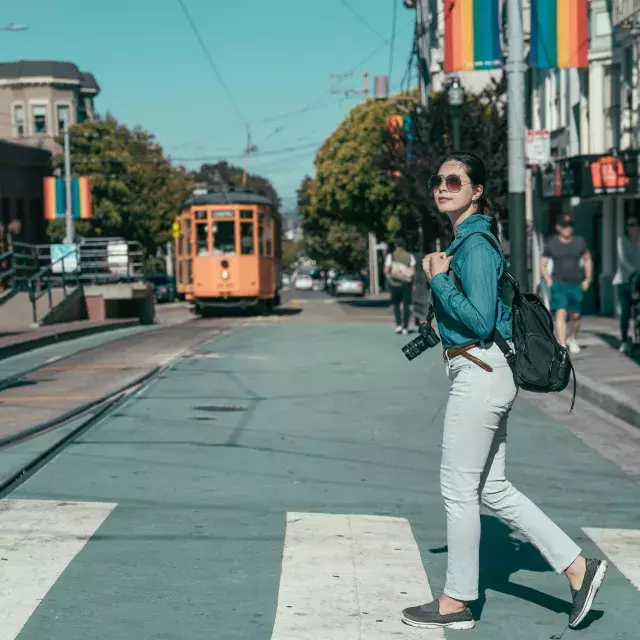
{"type": "Point", "coordinates": [205, 464]}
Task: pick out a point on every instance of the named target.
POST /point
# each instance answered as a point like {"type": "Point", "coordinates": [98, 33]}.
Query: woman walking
{"type": "Point", "coordinates": [482, 394]}
{"type": "Point", "coordinates": [628, 267]}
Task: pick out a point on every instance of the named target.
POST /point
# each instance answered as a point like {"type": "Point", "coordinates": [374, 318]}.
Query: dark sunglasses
{"type": "Point", "coordinates": [453, 183]}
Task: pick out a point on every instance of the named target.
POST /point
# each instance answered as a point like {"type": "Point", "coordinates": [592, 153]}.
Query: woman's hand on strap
{"type": "Point", "coordinates": [438, 263]}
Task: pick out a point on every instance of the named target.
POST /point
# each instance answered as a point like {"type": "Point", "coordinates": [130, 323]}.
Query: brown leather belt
{"type": "Point", "coordinates": [454, 352]}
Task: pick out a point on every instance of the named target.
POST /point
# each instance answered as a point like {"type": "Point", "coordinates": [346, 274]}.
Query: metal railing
{"type": "Point", "coordinates": [42, 282]}
{"type": "Point", "coordinates": [29, 267]}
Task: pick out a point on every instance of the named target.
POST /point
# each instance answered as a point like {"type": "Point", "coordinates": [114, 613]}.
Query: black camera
{"type": "Point", "coordinates": [427, 338]}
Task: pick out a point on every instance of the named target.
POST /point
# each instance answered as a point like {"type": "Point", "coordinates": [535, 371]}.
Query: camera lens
{"type": "Point", "coordinates": [414, 348]}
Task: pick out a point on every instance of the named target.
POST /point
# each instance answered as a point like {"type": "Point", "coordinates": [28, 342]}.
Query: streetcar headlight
{"type": "Point", "coordinates": [225, 274]}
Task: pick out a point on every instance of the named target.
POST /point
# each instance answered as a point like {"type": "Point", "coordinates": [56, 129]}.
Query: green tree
{"type": "Point", "coordinates": [326, 239]}
{"type": "Point", "coordinates": [136, 191]}
{"type": "Point", "coordinates": [223, 174]}
{"type": "Point", "coordinates": [483, 131]}
{"type": "Point", "coordinates": [351, 184]}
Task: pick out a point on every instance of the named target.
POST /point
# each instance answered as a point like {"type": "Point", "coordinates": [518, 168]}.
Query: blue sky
{"type": "Point", "coordinates": [275, 57]}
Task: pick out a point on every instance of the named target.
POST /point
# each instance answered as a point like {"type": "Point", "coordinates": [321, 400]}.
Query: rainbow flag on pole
{"type": "Point", "coordinates": [471, 35]}
{"type": "Point", "coordinates": [55, 199]}
{"type": "Point", "coordinates": [559, 37]}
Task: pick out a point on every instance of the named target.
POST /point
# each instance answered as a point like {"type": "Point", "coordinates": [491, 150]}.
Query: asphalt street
{"type": "Point", "coordinates": [281, 481]}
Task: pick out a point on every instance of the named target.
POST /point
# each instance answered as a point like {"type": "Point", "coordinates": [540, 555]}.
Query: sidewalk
{"type": "Point", "coordinates": [13, 343]}
{"type": "Point", "coordinates": [605, 377]}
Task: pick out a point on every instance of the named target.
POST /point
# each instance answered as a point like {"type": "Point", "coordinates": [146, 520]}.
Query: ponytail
{"type": "Point", "coordinates": [485, 208]}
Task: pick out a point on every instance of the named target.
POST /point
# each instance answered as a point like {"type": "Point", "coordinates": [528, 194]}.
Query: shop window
{"type": "Point", "coordinates": [247, 246]}
{"type": "Point", "coordinates": [224, 238]}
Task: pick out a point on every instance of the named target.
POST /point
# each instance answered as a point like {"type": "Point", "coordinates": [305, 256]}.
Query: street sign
{"type": "Point", "coordinates": [538, 146]}
{"type": "Point", "coordinates": [70, 261]}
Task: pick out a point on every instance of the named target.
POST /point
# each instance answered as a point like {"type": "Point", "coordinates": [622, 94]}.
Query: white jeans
{"type": "Point", "coordinates": [473, 470]}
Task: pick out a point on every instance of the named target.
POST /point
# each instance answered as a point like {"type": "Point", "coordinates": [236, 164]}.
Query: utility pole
{"type": "Point", "coordinates": [515, 96]}
{"type": "Point", "coordinates": [68, 214]}
{"type": "Point", "coordinates": [423, 27]}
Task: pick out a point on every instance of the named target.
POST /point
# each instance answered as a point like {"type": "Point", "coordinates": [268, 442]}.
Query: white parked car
{"type": "Point", "coordinates": [349, 284]}
{"type": "Point", "coordinates": [304, 282]}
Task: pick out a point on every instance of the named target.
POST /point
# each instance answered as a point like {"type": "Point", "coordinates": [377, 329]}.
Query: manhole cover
{"type": "Point", "coordinates": [219, 407]}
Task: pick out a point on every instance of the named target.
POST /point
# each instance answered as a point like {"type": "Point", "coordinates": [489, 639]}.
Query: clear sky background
{"type": "Point", "coordinates": [275, 57]}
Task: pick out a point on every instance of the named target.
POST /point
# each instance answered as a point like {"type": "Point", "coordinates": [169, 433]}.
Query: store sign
{"type": "Point", "coordinates": [538, 146]}
{"type": "Point", "coordinates": [608, 175]}
{"type": "Point", "coordinates": [611, 175]}
{"type": "Point", "coordinates": [64, 258]}
{"type": "Point", "coordinates": [560, 180]}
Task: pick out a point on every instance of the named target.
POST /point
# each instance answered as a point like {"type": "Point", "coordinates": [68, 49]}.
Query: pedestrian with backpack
{"type": "Point", "coordinates": [400, 269]}
{"type": "Point", "coordinates": [466, 283]}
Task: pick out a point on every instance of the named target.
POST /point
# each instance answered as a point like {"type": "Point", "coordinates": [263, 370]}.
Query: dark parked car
{"type": "Point", "coordinates": [164, 287]}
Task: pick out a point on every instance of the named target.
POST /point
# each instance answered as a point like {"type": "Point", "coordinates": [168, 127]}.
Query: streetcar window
{"type": "Point", "coordinates": [261, 236]}
{"type": "Point", "coordinates": [268, 237]}
{"type": "Point", "coordinates": [247, 247]}
{"type": "Point", "coordinates": [224, 239]}
{"type": "Point", "coordinates": [201, 215]}
{"type": "Point", "coordinates": [187, 236]}
{"type": "Point", "coordinates": [246, 214]}
{"type": "Point", "coordinates": [202, 239]}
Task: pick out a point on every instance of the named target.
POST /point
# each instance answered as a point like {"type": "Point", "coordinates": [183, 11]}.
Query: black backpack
{"type": "Point", "coordinates": [538, 361]}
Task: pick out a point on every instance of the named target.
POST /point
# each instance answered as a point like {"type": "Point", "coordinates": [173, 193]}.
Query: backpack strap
{"type": "Point", "coordinates": [498, 338]}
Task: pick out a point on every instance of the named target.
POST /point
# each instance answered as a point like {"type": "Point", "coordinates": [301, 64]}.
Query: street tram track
{"type": "Point", "coordinates": [93, 410]}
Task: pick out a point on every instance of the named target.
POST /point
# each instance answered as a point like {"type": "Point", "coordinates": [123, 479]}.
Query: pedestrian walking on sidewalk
{"type": "Point", "coordinates": [626, 277]}
{"type": "Point", "coordinates": [469, 309]}
{"type": "Point", "coordinates": [571, 278]}
{"type": "Point", "coordinates": [400, 269]}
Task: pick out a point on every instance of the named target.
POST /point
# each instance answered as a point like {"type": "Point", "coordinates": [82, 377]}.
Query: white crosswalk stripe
{"type": "Point", "coordinates": [622, 546]}
{"type": "Point", "coordinates": [348, 577]}
{"type": "Point", "coordinates": [38, 540]}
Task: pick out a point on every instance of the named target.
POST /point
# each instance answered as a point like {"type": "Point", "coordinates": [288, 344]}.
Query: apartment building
{"type": "Point", "coordinates": [37, 98]}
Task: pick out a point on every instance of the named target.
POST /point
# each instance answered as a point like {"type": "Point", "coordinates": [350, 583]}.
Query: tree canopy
{"type": "Point", "coordinates": [363, 183]}
{"type": "Point", "coordinates": [136, 191]}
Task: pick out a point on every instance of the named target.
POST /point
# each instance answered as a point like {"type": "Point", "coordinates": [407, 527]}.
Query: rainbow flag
{"type": "Point", "coordinates": [559, 38]}
{"type": "Point", "coordinates": [55, 198]}
{"type": "Point", "coordinates": [471, 35]}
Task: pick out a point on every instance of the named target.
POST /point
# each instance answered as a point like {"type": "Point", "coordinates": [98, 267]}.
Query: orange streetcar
{"type": "Point", "coordinates": [228, 252]}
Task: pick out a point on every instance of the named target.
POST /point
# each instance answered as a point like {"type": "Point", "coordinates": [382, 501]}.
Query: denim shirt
{"type": "Point", "coordinates": [475, 315]}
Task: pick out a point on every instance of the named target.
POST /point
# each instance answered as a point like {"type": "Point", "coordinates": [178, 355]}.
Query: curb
{"type": "Point", "coordinates": [45, 340]}
{"type": "Point", "coordinates": [609, 399]}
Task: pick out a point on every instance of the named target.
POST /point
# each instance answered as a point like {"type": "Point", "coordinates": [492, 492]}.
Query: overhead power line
{"type": "Point", "coordinates": [212, 63]}
{"type": "Point", "coordinates": [312, 104]}
{"type": "Point", "coordinates": [364, 21]}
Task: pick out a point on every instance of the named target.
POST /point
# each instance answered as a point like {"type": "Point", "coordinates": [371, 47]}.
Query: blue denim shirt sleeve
{"type": "Point", "coordinates": [478, 272]}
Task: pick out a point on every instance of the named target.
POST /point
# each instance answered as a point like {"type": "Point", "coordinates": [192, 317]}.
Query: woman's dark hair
{"type": "Point", "coordinates": [477, 173]}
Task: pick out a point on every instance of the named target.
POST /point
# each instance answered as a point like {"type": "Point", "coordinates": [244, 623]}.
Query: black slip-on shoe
{"type": "Point", "coordinates": [428, 616]}
{"type": "Point", "coordinates": [583, 598]}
